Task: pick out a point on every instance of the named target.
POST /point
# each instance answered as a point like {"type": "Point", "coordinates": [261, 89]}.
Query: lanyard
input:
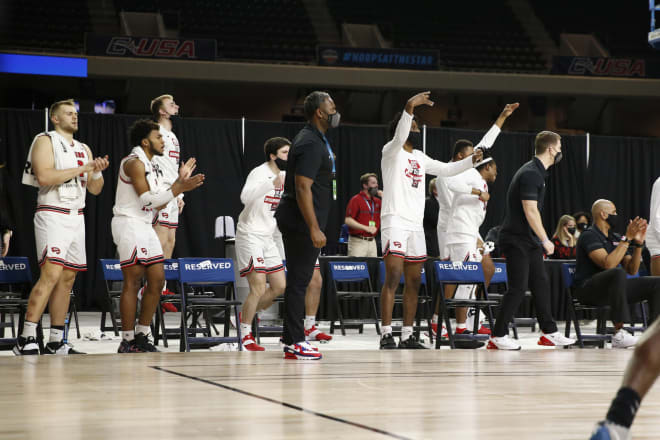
{"type": "Point", "coordinates": [334, 169]}
{"type": "Point", "coordinates": [371, 206]}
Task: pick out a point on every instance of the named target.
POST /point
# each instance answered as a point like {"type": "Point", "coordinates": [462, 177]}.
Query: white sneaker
{"type": "Point", "coordinates": [555, 339]}
{"type": "Point", "coordinates": [502, 343]}
{"type": "Point", "coordinates": [610, 431]}
{"type": "Point", "coordinates": [623, 339]}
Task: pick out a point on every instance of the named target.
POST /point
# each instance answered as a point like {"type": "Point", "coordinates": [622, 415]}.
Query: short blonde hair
{"type": "Point", "coordinates": [432, 185]}
{"type": "Point", "coordinates": [157, 103]}
{"type": "Point", "coordinates": [58, 104]}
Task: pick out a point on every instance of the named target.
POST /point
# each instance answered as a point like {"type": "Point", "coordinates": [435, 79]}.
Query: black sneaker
{"type": "Point", "coordinates": [469, 344]}
{"type": "Point", "coordinates": [387, 342]}
{"type": "Point", "coordinates": [60, 348]}
{"type": "Point", "coordinates": [26, 346]}
{"type": "Point", "coordinates": [411, 343]}
{"type": "Point", "coordinates": [128, 347]}
{"type": "Point", "coordinates": [143, 343]}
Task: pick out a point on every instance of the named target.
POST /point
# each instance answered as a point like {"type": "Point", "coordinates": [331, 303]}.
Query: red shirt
{"type": "Point", "coordinates": [363, 209]}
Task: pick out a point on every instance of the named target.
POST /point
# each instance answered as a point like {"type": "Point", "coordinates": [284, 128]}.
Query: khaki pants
{"type": "Point", "coordinates": [361, 248]}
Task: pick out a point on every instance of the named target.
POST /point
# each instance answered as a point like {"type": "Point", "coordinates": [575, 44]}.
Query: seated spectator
{"type": "Point", "coordinates": [603, 261]}
{"type": "Point", "coordinates": [431, 211]}
{"type": "Point", "coordinates": [564, 239]}
{"type": "Point", "coordinates": [582, 222]}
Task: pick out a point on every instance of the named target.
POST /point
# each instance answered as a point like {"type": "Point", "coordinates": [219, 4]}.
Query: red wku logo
{"type": "Point", "coordinates": [164, 214]}
{"type": "Point", "coordinates": [144, 250]}
{"type": "Point", "coordinates": [397, 243]}
{"type": "Point", "coordinates": [55, 250]}
{"type": "Point", "coordinates": [260, 260]}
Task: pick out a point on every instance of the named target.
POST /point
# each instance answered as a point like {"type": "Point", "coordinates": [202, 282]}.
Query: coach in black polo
{"type": "Point", "coordinates": [309, 189]}
{"type": "Point", "coordinates": [523, 241]}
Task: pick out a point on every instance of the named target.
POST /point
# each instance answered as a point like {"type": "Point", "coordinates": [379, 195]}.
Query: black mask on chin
{"type": "Point", "coordinates": [415, 139]}
{"type": "Point", "coordinates": [612, 220]}
{"type": "Point", "coordinates": [281, 164]}
{"type": "Point", "coordinates": [373, 191]}
{"type": "Point", "coordinates": [582, 226]}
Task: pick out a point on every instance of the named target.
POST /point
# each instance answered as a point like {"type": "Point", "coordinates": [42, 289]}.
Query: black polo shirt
{"type": "Point", "coordinates": [527, 184]}
{"type": "Point", "coordinates": [308, 157]}
{"type": "Point", "coordinates": [590, 240]}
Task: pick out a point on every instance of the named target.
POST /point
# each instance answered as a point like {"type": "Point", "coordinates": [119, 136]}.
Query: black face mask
{"type": "Point", "coordinates": [571, 231]}
{"type": "Point", "coordinates": [582, 226]}
{"type": "Point", "coordinates": [612, 220]}
{"type": "Point", "coordinates": [415, 139]}
{"type": "Point", "coordinates": [558, 157]}
{"type": "Point", "coordinates": [281, 164]}
{"type": "Point", "coordinates": [373, 191]}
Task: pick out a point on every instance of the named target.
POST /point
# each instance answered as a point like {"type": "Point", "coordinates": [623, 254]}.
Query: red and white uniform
{"type": "Point", "coordinates": [653, 231]}
{"type": "Point", "coordinates": [402, 211]}
{"type": "Point", "coordinates": [59, 223]}
{"type": "Point", "coordinates": [135, 238]}
{"type": "Point", "coordinates": [445, 195]}
{"type": "Point", "coordinates": [168, 164]}
{"type": "Point", "coordinates": [256, 249]}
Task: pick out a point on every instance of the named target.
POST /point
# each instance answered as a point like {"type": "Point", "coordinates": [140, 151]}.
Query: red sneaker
{"type": "Point", "coordinates": [314, 334]}
{"type": "Point", "coordinates": [460, 331]}
{"type": "Point", "coordinates": [484, 330]}
{"type": "Point", "coordinates": [250, 344]}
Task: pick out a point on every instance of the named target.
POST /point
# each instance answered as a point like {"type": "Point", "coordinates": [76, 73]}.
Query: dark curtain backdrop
{"type": "Point", "coordinates": [620, 169]}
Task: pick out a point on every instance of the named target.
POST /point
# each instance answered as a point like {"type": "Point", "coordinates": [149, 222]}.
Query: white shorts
{"type": "Point", "coordinates": [442, 245]}
{"type": "Point", "coordinates": [464, 252]}
{"type": "Point", "coordinates": [136, 241]}
{"type": "Point", "coordinates": [60, 238]}
{"type": "Point", "coordinates": [409, 245]}
{"type": "Point", "coordinates": [168, 217]}
{"type": "Point", "coordinates": [257, 253]}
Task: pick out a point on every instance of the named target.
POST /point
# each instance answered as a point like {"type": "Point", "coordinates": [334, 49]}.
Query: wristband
{"type": "Point", "coordinates": [97, 175]}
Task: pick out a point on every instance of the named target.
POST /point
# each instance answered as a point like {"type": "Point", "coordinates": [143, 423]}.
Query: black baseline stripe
{"type": "Point", "coordinates": [287, 405]}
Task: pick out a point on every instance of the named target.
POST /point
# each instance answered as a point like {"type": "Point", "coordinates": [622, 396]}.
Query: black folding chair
{"type": "Point", "coordinates": [206, 272]}
{"type": "Point", "coordinates": [459, 273]}
{"type": "Point", "coordinates": [111, 271]}
{"type": "Point", "coordinates": [354, 275]}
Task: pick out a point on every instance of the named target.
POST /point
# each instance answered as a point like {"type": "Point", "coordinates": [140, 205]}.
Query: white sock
{"type": "Point", "coordinates": [309, 321]}
{"type": "Point", "coordinates": [128, 335]}
{"type": "Point", "coordinates": [144, 329]}
{"type": "Point", "coordinates": [29, 329]}
{"type": "Point", "coordinates": [461, 325]}
{"type": "Point", "coordinates": [385, 330]}
{"type": "Point", "coordinates": [56, 335]}
{"type": "Point", "coordinates": [140, 292]}
{"type": "Point", "coordinates": [246, 329]}
{"type": "Point", "coordinates": [434, 319]}
{"type": "Point", "coordinates": [406, 332]}
{"type": "Point", "coordinates": [622, 431]}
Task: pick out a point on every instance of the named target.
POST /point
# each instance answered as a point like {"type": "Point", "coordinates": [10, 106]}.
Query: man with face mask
{"type": "Point", "coordinates": [523, 241]}
{"type": "Point", "coordinates": [310, 186]}
{"type": "Point", "coordinates": [363, 218]}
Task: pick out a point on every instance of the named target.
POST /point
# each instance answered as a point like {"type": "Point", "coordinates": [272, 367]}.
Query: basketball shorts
{"type": "Point", "coordinates": [136, 241]}
{"type": "Point", "coordinates": [653, 244]}
{"type": "Point", "coordinates": [60, 237]}
{"type": "Point", "coordinates": [168, 217]}
{"type": "Point", "coordinates": [442, 245]}
{"type": "Point", "coordinates": [257, 253]}
{"type": "Point", "coordinates": [409, 245]}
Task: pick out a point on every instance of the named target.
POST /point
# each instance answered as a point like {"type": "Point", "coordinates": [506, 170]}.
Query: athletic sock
{"type": "Point", "coordinates": [310, 321]}
{"type": "Point", "coordinates": [246, 329]}
{"type": "Point", "coordinates": [624, 407]}
{"type": "Point", "coordinates": [128, 335]}
{"type": "Point", "coordinates": [56, 333]}
{"type": "Point", "coordinates": [144, 329]}
{"type": "Point", "coordinates": [406, 332]}
{"type": "Point", "coordinates": [434, 319]}
{"type": "Point", "coordinates": [29, 329]}
{"type": "Point", "coordinates": [385, 330]}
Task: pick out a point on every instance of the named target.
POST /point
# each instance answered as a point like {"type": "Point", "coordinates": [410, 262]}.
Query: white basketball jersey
{"type": "Point", "coordinates": [127, 201]}
{"type": "Point", "coordinates": [168, 163]}
{"type": "Point", "coordinates": [67, 155]}
{"type": "Point", "coordinates": [261, 199]}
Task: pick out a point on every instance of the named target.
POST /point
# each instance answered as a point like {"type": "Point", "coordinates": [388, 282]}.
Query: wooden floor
{"type": "Point", "coordinates": [543, 394]}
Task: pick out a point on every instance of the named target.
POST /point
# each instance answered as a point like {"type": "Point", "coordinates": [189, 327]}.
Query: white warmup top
{"type": "Point", "coordinates": [653, 231]}
{"type": "Point", "coordinates": [403, 179]}
{"type": "Point", "coordinates": [467, 211]}
{"type": "Point", "coordinates": [127, 200]}
{"type": "Point", "coordinates": [260, 198]}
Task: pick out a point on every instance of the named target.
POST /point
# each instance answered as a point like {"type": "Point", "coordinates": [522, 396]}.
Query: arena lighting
{"type": "Point", "coordinates": [43, 65]}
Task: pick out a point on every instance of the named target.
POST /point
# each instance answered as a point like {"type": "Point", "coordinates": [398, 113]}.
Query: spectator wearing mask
{"type": "Point", "coordinates": [363, 218]}
{"type": "Point", "coordinates": [564, 238]}
{"type": "Point", "coordinates": [582, 222]}
{"type": "Point", "coordinates": [431, 210]}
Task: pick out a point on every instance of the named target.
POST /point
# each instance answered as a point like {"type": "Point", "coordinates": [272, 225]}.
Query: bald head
{"type": "Point", "coordinates": [602, 205]}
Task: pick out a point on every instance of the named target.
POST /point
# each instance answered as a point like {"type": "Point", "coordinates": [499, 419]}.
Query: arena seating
{"type": "Point", "coordinates": [489, 39]}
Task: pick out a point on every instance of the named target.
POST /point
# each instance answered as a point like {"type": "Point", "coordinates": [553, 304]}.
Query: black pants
{"type": "Point", "coordinates": [612, 288]}
{"type": "Point", "coordinates": [301, 257]}
{"type": "Point", "coordinates": [524, 266]}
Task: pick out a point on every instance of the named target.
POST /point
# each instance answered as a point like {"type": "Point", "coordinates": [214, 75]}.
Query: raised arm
{"type": "Point", "coordinates": [489, 138]}
{"type": "Point", "coordinates": [444, 169]}
{"type": "Point", "coordinates": [404, 124]}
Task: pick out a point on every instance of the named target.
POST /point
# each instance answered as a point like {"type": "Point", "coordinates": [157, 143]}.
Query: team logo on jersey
{"type": "Point", "coordinates": [260, 260]}
{"type": "Point", "coordinates": [55, 250]}
{"type": "Point", "coordinates": [164, 214]}
{"type": "Point", "coordinates": [143, 250]}
{"type": "Point", "coordinates": [414, 173]}
{"type": "Point", "coordinates": [397, 244]}
{"type": "Point", "coordinates": [174, 155]}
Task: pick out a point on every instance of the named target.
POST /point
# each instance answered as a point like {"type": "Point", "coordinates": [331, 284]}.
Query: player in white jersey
{"type": "Point", "coordinates": [653, 232]}
{"type": "Point", "coordinates": [468, 211]}
{"type": "Point", "coordinates": [462, 149]}
{"type": "Point", "coordinates": [404, 167]}
{"type": "Point", "coordinates": [139, 196]}
{"type": "Point", "coordinates": [257, 250]}
{"type": "Point", "coordinates": [63, 169]}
